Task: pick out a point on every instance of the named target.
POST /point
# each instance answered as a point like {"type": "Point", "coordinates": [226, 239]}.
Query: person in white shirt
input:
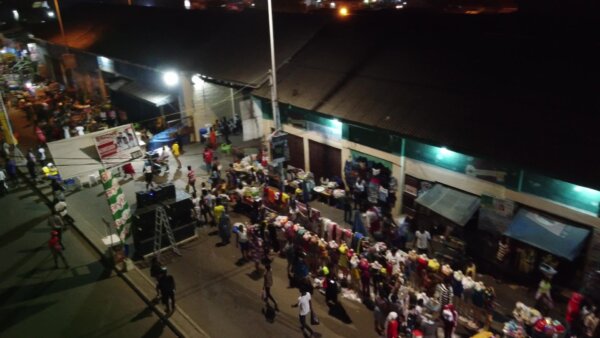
{"type": "Point", "coordinates": [163, 159]}
{"type": "Point", "coordinates": [196, 206]}
{"type": "Point", "coordinates": [42, 154]}
{"type": "Point", "coordinates": [242, 241]}
{"type": "Point", "coordinates": [3, 187]}
{"type": "Point", "coordinates": [148, 175]}
{"type": "Point", "coordinates": [422, 238]}
{"type": "Point", "coordinates": [304, 307]}
{"type": "Point", "coordinates": [6, 149]}
{"type": "Point", "coordinates": [359, 192]}
{"type": "Point", "coordinates": [60, 207]}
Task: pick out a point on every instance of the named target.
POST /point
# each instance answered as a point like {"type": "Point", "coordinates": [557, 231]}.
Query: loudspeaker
{"type": "Point", "coordinates": [146, 246]}
{"type": "Point", "coordinates": [145, 198]}
{"type": "Point", "coordinates": [180, 219]}
{"type": "Point", "coordinates": [167, 191]}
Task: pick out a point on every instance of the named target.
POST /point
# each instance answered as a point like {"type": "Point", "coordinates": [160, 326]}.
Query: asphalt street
{"type": "Point", "coordinates": [37, 300]}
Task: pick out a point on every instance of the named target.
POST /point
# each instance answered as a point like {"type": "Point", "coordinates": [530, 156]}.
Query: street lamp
{"type": "Point", "coordinates": [170, 78]}
{"type": "Point", "coordinates": [274, 104]}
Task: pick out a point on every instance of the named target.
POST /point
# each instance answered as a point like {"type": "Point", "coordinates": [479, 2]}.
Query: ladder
{"type": "Point", "coordinates": [162, 223]}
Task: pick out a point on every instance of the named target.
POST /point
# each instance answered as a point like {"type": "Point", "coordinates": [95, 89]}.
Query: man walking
{"type": "Point", "coordinates": [267, 284]}
{"type": "Point", "coordinates": [57, 249]}
{"type": "Point", "coordinates": [42, 154]}
{"type": "Point", "coordinates": [208, 155]}
{"type": "Point", "coordinates": [60, 207]}
{"type": "Point", "coordinates": [163, 159]}
{"type": "Point", "coordinates": [56, 223]}
{"type": "Point", "coordinates": [166, 289]}
{"type": "Point", "coordinates": [422, 238]}
{"type": "Point", "coordinates": [191, 178]}
{"type": "Point", "coordinates": [11, 170]}
{"type": "Point", "coordinates": [3, 186]}
{"type": "Point", "coordinates": [304, 306]}
{"type": "Point", "coordinates": [148, 174]}
{"type": "Point", "coordinates": [31, 167]}
{"type": "Point", "coordinates": [176, 152]}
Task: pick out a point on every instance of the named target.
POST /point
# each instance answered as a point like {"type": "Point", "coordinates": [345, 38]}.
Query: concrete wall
{"type": "Point", "coordinates": [345, 146]}
{"type": "Point", "coordinates": [211, 101]}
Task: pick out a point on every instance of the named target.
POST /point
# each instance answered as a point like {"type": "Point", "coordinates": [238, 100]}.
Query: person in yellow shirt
{"type": "Point", "coordinates": [50, 170]}
{"type": "Point", "coordinates": [218, 211]}
{"type": "Point", "coordinates": [176, 153]}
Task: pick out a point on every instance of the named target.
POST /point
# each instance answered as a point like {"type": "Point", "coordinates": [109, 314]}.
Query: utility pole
{"type": "Point", "coordinates": [274, 103]}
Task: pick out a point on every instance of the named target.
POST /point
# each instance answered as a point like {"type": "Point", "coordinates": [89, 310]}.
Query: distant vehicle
{"type": "Point", "coordinates": [7, 16]}
{"type": "Point", "coordinates": [238, 5]}
{"type": "Point", "coordinates": [33, 12]}
{"type": "Point", "coordinates": [347, 7]}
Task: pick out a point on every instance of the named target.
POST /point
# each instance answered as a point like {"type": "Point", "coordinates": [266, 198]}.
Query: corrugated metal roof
{"type": "Point", "coordinates": [492, 87]}
{"type": "Point", "coordinates": [228, 47]}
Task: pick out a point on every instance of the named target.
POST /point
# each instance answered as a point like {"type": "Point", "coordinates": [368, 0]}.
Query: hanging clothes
{"type": "Point", "coordinates": [383, 194]}
{"type": "Point", "coordinates": [358, 225]}
{"type": "Point", "coordinates": [373, 191]}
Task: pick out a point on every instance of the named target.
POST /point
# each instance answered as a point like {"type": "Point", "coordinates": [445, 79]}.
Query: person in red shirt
{"type": "Point", "coordinates": [208, 156]}
{"type": "Point", "coordinates": [573, 310]}
{"type": "Point", "coordinates": [57, 249]}
{"type": "Point", "coordinates": [392, 325]}
{"type": "Point", "coordinates": [212, 138]}
{"type": "Point", "coordinates": [191, 178]}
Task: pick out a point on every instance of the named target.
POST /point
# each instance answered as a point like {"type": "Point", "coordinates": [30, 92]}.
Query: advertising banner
{"type": "Point", "coordinates": [118, 204]}
{"type": "Point", "coordinates": [117, 145]}
{"type": "Point", "coordinates": [279, 148]}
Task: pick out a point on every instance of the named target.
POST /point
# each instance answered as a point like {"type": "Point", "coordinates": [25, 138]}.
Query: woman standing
{"type": "Point", "coordinates": [224, 228]}
{"type": "Point", "coordinates": [242, 241]}
{"type": "Point", "coordinates": [256, 249]}
{"type": "Point", "coordinates": [450, 319]}
{"type": "Point", "coordinates": [392, 325]}
{"type": "Point", "coordinates": [212, 138]}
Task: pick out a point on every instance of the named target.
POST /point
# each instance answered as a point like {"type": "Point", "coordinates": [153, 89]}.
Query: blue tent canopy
{"type": "Point", "coordinates": [164, 138]}
{"type": "Point", "coordinates": [557, 238]}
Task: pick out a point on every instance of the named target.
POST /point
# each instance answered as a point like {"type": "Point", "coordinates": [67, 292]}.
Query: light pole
{"type": "Point", "coordinates": [60, 23]}
{"type": "Point", "coordinates": [274, 104]}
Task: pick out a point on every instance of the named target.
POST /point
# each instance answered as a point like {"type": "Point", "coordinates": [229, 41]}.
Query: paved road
{"type": "Point", "coordinates": [37, 300]}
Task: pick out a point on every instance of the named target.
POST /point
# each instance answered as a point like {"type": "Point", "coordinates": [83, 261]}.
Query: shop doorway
{"type": "Point", "coordinates": [296, 146]}
{"type": "Point", "coordinates": [325, 161]}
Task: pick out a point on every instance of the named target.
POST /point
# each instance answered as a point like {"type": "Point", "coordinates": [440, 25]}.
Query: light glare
{"type": "Point", "coordinates": [170, 78]}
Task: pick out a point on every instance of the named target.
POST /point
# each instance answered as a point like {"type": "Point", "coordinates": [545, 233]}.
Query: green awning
{"type": "Point", "coordinates": [356, 154]}
{"type": "Point", "coordinates": [452, 204]}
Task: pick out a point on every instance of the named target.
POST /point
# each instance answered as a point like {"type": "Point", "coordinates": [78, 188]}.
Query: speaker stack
{"type": "Point", "coordinates": [178, 208]}
{"type": "Point", "coordinates": [161, 193]}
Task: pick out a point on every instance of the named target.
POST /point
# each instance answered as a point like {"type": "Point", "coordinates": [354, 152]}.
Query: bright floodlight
{"type": "Point", "coordinates": [50, 14]}
{"type": "Point", "coordinates": [170, 78]}
{"type": "Point", "coordinates": [197, 80]}
{"type": "Point", "coordinates": [343, 11]}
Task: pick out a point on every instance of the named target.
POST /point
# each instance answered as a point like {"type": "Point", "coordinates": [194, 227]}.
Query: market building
{"type": "Point", "coordinates": [349, 94]}
{"type": "Point", "coordinates": [415, 104]}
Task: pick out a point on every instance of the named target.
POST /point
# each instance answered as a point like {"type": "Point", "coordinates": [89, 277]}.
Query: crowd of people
{"type": "Point", "coordinates": [56, 114]}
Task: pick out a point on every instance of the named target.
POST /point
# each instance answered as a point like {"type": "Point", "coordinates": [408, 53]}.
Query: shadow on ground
{"type": "Point", "coordinates": [22, 293]}
{"type": "Point", "coordinates": [19, 231]}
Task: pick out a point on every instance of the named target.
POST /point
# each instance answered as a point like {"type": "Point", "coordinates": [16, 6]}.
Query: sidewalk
{"type": "Point", "coordinates": [37, 300]}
